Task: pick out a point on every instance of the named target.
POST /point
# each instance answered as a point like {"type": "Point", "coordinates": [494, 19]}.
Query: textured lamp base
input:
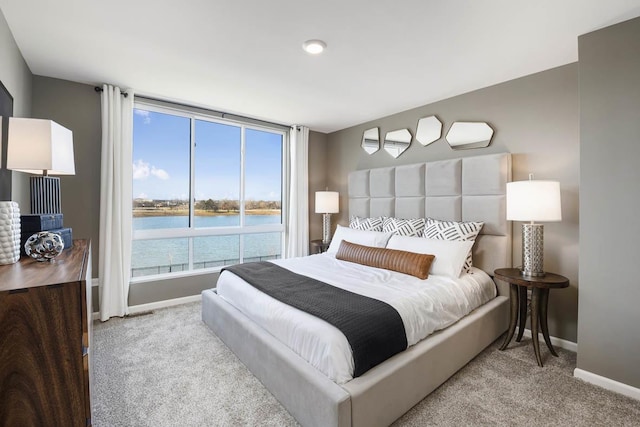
{"type": "Point", "coordinates": [45, 195]}
{"type": "Point", "coordinates": [326, 228]}
{"type": "Point", "coordinates": [532, 250]}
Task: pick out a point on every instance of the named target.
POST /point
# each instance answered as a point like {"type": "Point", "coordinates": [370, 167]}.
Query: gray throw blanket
{"type": "Point", "coordinates": [373, 328]}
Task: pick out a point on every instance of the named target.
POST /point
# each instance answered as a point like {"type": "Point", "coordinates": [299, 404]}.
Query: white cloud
{"type": "Point", "coordinates": [142, 196]}
{"type": "Point", "coordinates": [159, 173]}
{"type": "Point", "coordinates": [142, 170]}
{"type": "Point", "coordinates": [143, 113]}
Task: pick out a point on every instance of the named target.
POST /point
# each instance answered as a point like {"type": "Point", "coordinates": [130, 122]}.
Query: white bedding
{"type": "Point", "coordinates": [425, 306]}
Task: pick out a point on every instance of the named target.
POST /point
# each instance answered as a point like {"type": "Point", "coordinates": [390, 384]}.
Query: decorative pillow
{"type": "Point", "coordinates": [450, 255]}
{"type": "Point", "coordinates": [377, 239]}
{"type": "Point", "coordinates": [403, 227]}
{"type": "Point", "coordinates": [366, 224]}
{"type": "Point", "coordinates": [411, 263]}
{"type": "Point", "coordinates": [453, 230]}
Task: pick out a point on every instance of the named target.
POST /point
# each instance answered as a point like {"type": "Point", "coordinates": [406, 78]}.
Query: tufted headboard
{"type": "Point", "coordinates": [466, 189]}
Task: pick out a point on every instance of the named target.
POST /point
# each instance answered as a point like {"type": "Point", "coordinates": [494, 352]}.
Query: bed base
{"type": "Point", "coordinates": [378, 397]}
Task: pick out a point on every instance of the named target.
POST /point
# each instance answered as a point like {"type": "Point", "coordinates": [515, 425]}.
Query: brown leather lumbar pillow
{"type": "Point", "coordinates": [411, 263]}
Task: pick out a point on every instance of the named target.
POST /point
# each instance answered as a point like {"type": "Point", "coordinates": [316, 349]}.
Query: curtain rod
{"type": "Point", "coordinates": [99, 89]}
{"type": "Point", "coordinates": [221, 113]}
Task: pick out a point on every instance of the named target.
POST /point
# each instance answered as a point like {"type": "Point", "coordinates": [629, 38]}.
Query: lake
{"type": "Point", "coordinates": [170, 255]}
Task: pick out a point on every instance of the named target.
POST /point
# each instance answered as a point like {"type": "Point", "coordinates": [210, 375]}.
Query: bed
{"type": "Point", "coordinates": [471, 188]}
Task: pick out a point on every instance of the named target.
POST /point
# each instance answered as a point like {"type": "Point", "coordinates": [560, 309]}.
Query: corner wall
{"type": "Point", "coordinates": [17, 78]}
{"type": "Point", "coordinates": [76, 106]}
{"type": "Point", "coordinates": [609, 344]}
{"type": "Point", "coordinates": [536, 119]}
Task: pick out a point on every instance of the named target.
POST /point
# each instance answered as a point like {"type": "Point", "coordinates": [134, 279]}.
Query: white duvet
{"type": "Point", "coordinates": [425, 306]}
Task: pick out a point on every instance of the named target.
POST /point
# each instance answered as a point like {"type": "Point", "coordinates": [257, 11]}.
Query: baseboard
{"type": "Point", "coordinates": [607, 383]}
{"type": "Point", "coordinates": [557, 342]}
{"type": "Point", "coordinates": [134, 309]}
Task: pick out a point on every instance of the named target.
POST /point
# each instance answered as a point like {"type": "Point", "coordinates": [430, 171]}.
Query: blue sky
{"type": "Point", "coordinates": [161, 159]}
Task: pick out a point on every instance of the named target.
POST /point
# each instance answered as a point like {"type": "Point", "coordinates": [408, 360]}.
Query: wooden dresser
{"type": "Point", "coordinates": [45, 335]}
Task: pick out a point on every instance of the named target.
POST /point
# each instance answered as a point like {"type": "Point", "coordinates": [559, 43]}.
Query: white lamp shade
{"type": "Point", "coordinates": [534, 201]}
{"type": "Point", "coordinates": [327, 202]}
{"type": "Point", "coordinates": [36, 145]}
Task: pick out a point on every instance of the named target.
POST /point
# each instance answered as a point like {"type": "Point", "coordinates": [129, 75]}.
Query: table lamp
{"type": "Point", "coordinates": [326, 204]}
{"type": "Point", "coordinates": [533, 201]}
{"type": "Point", "coordinates": [41, 147]}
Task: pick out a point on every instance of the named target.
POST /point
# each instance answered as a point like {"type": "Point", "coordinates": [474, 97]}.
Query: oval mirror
{"type": "Point", "coordinates": [429, 130]}
{"type": "Point", "coordinates": [463, 135]}
{"type": "Point", "coordinates": [396, 142]}
{"type": "Point", "coordinates": [371, 140]}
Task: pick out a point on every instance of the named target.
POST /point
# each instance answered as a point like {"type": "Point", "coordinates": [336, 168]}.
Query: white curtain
{"type": "Point", "coordinates": [298, 227]}
{"type": "Point", "coordinates": [115, 202]}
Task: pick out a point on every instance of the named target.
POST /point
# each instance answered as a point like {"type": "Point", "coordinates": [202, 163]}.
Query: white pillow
{"type": "Point", "coordinates": [377, 239]}
{"type": "Point", "coordinates": [450, 254]}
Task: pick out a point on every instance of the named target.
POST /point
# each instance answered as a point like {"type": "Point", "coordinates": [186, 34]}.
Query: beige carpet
{"type": "Point", "coordinates": [168, 369]}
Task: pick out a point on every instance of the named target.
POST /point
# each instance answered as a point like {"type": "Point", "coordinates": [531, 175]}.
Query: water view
{"type": "Point", "coordinates": [160, 256]}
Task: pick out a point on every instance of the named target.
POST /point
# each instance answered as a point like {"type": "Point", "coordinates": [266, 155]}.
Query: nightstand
{"type": "Point", "coordinates": [539, 300]}
{"type": "Point", "coordinates": [317, 247]}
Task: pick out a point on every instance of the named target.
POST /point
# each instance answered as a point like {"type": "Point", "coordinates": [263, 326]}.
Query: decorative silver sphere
{"type": "Point", "coordinates": [44, 246]}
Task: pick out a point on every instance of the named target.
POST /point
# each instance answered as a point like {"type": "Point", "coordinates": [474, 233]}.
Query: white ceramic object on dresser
{"type": "Point", "coordinates": [9, 232]}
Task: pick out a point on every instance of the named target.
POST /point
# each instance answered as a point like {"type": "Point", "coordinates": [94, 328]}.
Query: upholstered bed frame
{"type": "Point", "coordinates": [471, 188]}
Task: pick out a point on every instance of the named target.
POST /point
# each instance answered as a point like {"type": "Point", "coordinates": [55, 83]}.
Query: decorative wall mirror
{"type": "Point", "coordinates": [429, 130]}
{"type": "Point", "coordinates": [464, 135]}
{"type": "Point", "coordinates": [396, 142]}
{"type": "Point", "coordinates": [371, 140]}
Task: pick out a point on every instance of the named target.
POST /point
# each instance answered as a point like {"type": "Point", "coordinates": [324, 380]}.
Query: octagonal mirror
{"type": "Point", "coordinates": [464, 135]}
{"type": "Point", "coordinates": [396, 142]}
{"type": "Point", "coordinates": [429, 130]}
{"type": "Point", "coordinates": [371, 140]}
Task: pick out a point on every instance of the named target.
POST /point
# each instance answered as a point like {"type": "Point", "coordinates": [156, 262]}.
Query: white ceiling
{"type": "Point", "coordinates": [383, 56]}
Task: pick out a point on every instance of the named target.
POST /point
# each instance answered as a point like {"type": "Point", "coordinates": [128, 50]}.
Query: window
{"type": "Point", "coordinates": [208, 192]}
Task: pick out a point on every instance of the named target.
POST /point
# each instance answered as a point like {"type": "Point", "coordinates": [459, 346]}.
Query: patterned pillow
{"type": "Point", "coordinates": [403, 227]}
{"type": "Point", "coordinates": [366, 224]}
{"type": "Point", "coordinates": [453, 230]}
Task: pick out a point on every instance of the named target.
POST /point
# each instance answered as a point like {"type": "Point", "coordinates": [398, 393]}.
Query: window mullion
{"type": "Point", "coordinates": [242, 183]}
{"type": "Point", "coordinates": [192, 175]}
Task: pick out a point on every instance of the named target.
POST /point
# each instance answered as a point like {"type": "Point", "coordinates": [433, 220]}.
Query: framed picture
{"type": "Point", "coordinates": [6, 111]}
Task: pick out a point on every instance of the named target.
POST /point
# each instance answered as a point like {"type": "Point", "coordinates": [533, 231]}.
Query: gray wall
{"type": "Point", "coordinates": [317, 179]}
{"type": "Point", "coordinates": [17, 78]}
{"type": "Point", "coordinates": [76, 106]}
{"type": "Point", "coordinates": [609, 344]}
{"type": "Point", "coordinates": [536, 119]}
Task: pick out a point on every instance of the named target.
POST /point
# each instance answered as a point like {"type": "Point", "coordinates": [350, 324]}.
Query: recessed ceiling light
{"type": "Point", "coordinates": [314, 47]}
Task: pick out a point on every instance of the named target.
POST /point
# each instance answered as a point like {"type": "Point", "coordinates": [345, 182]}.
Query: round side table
{"type": "Point", "coordinates": [539, 300]}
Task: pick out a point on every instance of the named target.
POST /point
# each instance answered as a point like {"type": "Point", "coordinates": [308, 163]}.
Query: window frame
{"type": "Point", "coordinates": [191, 231]}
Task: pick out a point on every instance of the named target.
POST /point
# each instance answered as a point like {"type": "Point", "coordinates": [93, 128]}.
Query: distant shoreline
{"type": "Point", "coordinates": [142, 213]}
